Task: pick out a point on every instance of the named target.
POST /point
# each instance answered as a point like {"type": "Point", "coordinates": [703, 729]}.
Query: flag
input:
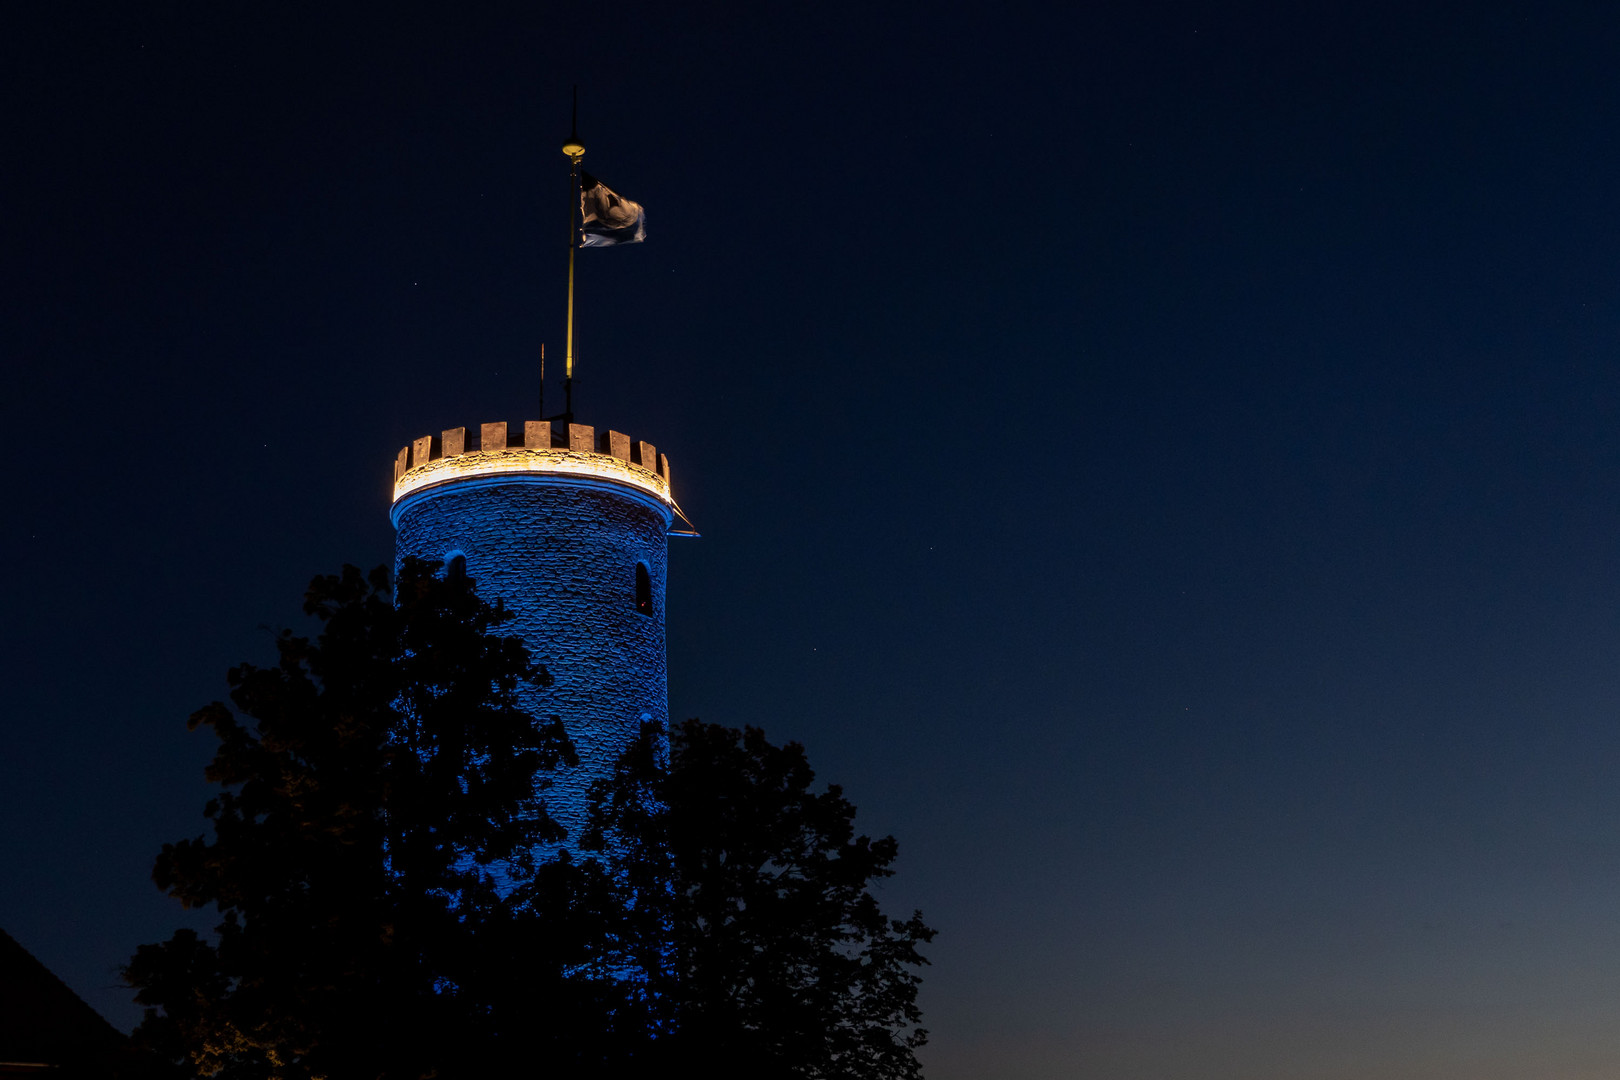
{"type": "Point", "coordinates": [607, 217]}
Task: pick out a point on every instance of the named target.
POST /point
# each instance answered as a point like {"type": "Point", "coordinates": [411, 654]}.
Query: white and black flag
{"type": "Point", "coordinates": [606, 217]}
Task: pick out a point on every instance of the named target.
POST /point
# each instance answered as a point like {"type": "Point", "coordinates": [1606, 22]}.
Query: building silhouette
{"type": "Point", "coordinates": [47, 1030]}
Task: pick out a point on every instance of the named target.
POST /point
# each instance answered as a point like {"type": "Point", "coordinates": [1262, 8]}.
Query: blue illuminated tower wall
{"type": "Point", "coordinates": [568, 528]}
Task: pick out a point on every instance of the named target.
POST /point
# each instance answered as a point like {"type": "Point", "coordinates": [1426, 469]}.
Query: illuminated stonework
{"type": "Point", "coordinates": [511, 464]}
{"type": "Point", "coordinates": [546, 449]}
{"type": "Point", "coordinates": [568, 530]}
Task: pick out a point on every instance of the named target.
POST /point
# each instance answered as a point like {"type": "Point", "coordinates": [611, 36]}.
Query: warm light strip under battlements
{"type": "Point", "coordinates": [516, 461]}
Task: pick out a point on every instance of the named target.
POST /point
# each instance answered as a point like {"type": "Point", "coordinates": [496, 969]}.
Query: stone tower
{"type": "Point", "coordinates": [568, 529]}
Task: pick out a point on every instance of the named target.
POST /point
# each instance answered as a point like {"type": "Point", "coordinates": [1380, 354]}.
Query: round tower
{"type": "Point", "coordinates": [567, 528]}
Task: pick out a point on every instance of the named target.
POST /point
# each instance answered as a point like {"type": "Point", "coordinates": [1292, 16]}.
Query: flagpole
{"type": "Point", "coordinates": [575, 151]}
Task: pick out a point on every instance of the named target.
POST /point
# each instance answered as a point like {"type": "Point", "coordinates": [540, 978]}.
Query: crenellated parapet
{"type": "Point", "coordinates": [535, 448]}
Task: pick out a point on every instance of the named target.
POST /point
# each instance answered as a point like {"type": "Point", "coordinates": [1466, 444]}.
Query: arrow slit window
{"type": "Point", "coordinates": [643, 589]}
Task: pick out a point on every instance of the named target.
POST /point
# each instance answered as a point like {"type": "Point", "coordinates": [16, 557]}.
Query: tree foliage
{"type": "Point", "coordinates": [374, 779]}
{"type": "Point", "coordinates": [749, 901]}
{"type": "Point", "coordinates": [392, 905]}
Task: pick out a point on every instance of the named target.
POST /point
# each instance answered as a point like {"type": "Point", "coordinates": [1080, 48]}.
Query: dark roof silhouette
{"type": "Point", "coordinates": [42, 1022]}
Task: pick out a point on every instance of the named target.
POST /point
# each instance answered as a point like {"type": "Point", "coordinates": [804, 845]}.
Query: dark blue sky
{"type": "Point", "coordinates": [1160, 458]}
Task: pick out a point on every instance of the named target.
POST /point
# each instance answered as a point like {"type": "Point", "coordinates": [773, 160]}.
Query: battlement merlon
{"type": "Point", "coordinates": [536, 448]}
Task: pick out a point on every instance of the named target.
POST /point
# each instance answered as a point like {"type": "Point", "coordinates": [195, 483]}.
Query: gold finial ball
{"type": "Point", "coordinates": [573, 148]}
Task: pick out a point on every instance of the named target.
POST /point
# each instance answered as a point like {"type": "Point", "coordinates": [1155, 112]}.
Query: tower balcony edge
{"type": "Point", "coordinates": [537, 451]}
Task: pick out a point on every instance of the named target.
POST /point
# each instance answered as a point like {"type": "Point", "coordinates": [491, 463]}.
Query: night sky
{"type": "Point", "coordinates": [1160, 459]}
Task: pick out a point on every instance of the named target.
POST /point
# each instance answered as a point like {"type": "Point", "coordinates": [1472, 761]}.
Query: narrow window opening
{"type": "Point", "coordinates": [643, 589]}
{"type": "Point", "coordinates": [456, 568]}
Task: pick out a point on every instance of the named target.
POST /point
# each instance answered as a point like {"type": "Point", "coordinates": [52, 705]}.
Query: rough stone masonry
{"type": "Point", "coordinates": [557, 531]}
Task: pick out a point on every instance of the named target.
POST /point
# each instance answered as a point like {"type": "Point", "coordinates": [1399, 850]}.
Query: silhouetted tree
{"type": "Point", "coordinates": [746, 901]}
{"type": "Point", "coordinates": [375, 780]}
{"type": "Point", "coordinates": [386, 913]}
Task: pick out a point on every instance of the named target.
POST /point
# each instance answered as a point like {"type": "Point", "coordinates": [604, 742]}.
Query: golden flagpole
{"type": "Point", "coordinates": [575, 151]}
